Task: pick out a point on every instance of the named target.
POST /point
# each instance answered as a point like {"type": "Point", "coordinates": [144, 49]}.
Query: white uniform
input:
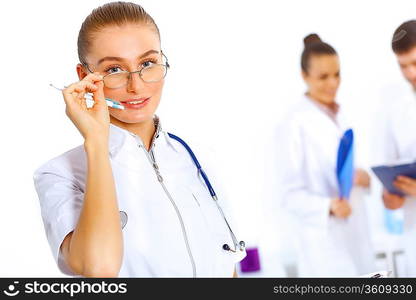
{"type": "Point", "coordinates": [173, 227]}
{"type": "Point", "coordinates": [307, 146]}
{"type": "Point", "coordinates": [396, 143]}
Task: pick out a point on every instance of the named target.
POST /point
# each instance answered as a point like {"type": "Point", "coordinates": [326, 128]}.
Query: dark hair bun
{"type": "Point", "coordinates": [311, 39]}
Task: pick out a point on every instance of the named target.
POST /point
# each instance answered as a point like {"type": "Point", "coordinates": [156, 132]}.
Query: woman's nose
{"type": "Point", "coordinates": [411, 72]}
{"type": "Point", "coordinates": [334, 82]}
{"type": "Point", "coordinates": [135, 83]}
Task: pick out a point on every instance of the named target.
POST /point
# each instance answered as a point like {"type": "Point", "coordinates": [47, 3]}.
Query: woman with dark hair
{"type": "Point", "coordinates": [332, 234]}
{"type": "Point", "coordinates": [131, 201]}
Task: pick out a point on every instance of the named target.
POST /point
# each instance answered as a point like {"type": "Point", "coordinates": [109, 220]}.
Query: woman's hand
{"type": "Point", "coordinates": [392, 201]}
{"type": "Point", "coordinates": [93, 123]}
{"type": "Point", "coordinates": [361, 178]}
{"type": "Point", "coordinates": [406, 184]}
{"type": "Point", "coordinates": [340, 208]}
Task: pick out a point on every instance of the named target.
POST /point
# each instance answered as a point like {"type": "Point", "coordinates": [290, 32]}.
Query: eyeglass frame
{"type": "Point", "coordinates": [167, 65]}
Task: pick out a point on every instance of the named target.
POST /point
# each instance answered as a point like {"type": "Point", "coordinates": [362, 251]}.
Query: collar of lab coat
{"type": "Point", "coordinates": [331, 112]}
{"type": "Point", "coordinates": [118, 136]}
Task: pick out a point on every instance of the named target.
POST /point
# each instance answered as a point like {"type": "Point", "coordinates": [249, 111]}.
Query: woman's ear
{"type": "Point", "coordinates": [81, 71]}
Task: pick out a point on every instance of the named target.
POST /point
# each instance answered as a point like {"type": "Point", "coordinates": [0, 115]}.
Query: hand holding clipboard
{"type": "Point", "coordinates": [397, 179]}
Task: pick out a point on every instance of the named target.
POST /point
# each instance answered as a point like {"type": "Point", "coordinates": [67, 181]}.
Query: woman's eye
{"type": "Point", "coordinates": [147, 64]}
{"type": "Point", "coordinates": [113, 70]}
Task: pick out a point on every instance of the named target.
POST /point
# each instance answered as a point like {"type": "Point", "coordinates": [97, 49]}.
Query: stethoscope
{"type": "Point", "coordinates": [237, 245]}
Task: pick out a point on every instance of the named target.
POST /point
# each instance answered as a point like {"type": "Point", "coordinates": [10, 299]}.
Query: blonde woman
{"type": "Point", "coordinates": [130, 201]}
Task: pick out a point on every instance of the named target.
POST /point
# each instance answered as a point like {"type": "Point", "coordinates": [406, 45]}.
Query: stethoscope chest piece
{"type": "Point", "coordinates": [240, 246]}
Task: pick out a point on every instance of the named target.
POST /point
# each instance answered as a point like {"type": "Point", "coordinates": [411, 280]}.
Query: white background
{"type": "Point", "coordinates": [234, 71]}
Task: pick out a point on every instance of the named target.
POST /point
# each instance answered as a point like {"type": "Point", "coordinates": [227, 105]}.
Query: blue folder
{"type": "Point", "coordinates": [388, 174]}
{"type": "Point", "coordinates": [345, 164]}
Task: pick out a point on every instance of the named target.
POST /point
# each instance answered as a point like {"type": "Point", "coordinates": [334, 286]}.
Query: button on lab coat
{"type": "Point", "coordinates": [155, 244]}
{"type": "Point", "coordinates": [307, 144]}
{"type": "Point", "coordinates": [395, 142]}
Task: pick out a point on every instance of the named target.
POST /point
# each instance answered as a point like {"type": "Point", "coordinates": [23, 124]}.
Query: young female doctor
{"type": "Point", "coordinates": [331, 233]}
{"type": "Point", "coordinates": [132, 200]}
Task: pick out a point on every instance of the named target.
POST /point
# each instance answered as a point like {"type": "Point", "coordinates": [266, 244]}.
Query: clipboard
{"type": "Point", "coordinates": [388, 174]}
{"type": "Point", "coordinates": [345, 164]}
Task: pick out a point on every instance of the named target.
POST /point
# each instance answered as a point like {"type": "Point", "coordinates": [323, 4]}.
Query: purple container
{"type": "Point", "coordinates": [251, 262]}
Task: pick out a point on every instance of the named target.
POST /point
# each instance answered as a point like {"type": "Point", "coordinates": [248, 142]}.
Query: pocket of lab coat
{"type": "Point", "coordinates": [226, 260]}
{"type": "Point", "coordinates": [212, 216]}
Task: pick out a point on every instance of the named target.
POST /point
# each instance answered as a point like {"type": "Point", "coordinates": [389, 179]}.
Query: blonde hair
{"type": "Point", "coordinates": [111, 14]}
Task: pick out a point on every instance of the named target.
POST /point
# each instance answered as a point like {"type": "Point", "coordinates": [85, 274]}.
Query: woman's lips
{"type": "Point", "coordinates": [128, 105]}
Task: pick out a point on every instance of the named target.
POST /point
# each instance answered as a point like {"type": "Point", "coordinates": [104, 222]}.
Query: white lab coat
{"type": "Point", "coordinates": [307, 144]}
{"type": "Point", "coordinates": [155, 244]}
{"type": "Point", "coordinates": [395, 142]}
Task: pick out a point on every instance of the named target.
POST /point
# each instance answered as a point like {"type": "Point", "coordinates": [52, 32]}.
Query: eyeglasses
{"type": "Point", "coordinates": [151, 73]}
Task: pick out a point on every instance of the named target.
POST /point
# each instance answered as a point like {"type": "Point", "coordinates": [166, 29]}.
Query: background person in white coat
{"type": "Point", "coordinates": [331, 234]}
{"type": "Point", "coordinates": [396, 138]}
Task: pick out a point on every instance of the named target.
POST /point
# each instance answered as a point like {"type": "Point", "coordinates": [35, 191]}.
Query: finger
{"type": "Point", "coordinates": [79, 86]}
{"type": "Point", "coordinates": [400, 185]}
{"type": "Point", "coordinates": [397, 182]}
{"type": "Point", "coordinates": [82, 101]}
{"type": "Point", "coordinates": [82, 93]}
{"type": "Point", "coordinates": [394, 197]}
{"type": "Point", "coordinates": [406, 184]}
{"type": "Point", "coordinates": [70, 89]}
{"type": "Point", "coordinates": [85, 86]}
{"type": "Point", "coordinates": [78, 92]}
{"type": "Point", "coordinates": [93, 77]}
{"type": "Point", "coordinates": [346, 207]}
{"type": "Point", "coordinates": [405, 189]}
{"type": "Point", "coordinates": [79, 97]}
{"type": "Point", "coordinates": [388, 195]}
{"type": "Point", "coordinates": [98, 95]}
{"type": "Point", "coordinates": [406, 179]}
{"type": "Point", "coordinates": [68, 93]}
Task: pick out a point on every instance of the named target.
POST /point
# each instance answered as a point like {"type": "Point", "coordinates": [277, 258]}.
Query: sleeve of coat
{"type": "Point", "coordinates": [295, 196]}
{"type": "Point", "coordinates": [61, 202]}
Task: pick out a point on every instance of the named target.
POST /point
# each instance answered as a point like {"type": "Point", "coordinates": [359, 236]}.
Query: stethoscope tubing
{"type": "Point", "coordinates": [209, 186]}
